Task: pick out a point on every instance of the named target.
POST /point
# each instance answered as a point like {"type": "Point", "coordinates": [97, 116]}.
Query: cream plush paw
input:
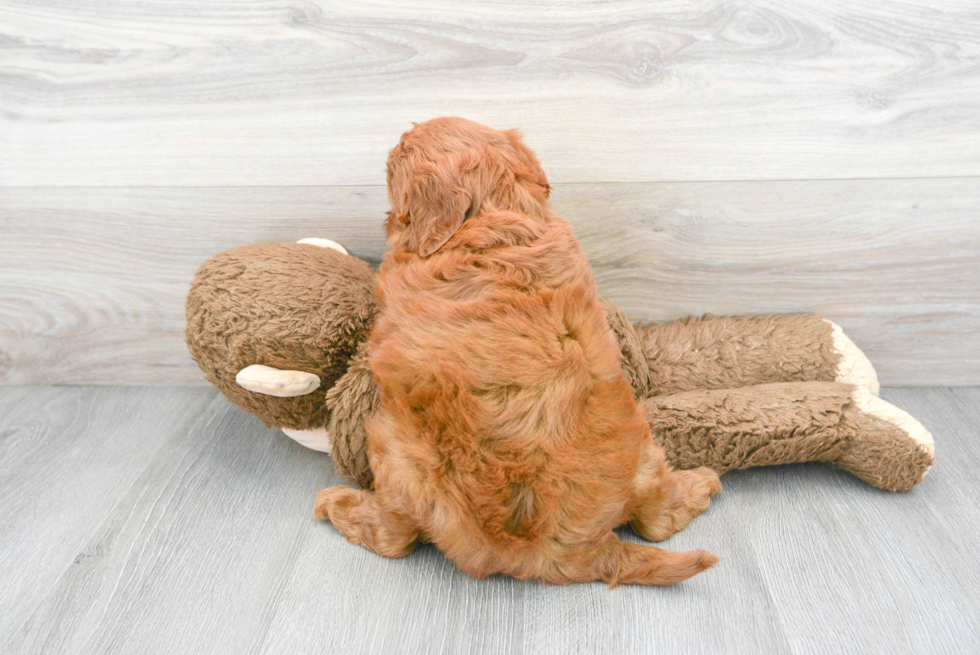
{"type": "Point", "coordinates": [854, 367]}
{"type": "Point", "coordinates": [275, 382]}
{"type": "Point", "coordinates": [324, 243]}
{"type": "Point", "coordinates": [316, 439]}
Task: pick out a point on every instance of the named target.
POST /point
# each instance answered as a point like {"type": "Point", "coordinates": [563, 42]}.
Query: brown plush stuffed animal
{"type": "Point", "coordinates": [281, 329]}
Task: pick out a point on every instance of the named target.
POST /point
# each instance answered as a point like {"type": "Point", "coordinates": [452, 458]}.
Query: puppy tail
{"type": "Point", "coordinates": [628, 563]}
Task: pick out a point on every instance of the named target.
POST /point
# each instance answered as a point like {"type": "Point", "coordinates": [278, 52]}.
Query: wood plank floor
{"type": "Point", "coordinates": [164, 520]}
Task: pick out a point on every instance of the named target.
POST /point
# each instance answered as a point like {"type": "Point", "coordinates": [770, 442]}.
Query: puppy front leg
{"type": "Point", "coordinates": [671, 502]}
{"type": "Point", "coordinates": [359, 516]}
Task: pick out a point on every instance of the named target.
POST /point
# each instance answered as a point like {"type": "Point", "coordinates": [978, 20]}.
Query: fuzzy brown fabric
{"type": "Point", "coordinates": [881, 453]}
{"type": "Point", "coordinates": [784, 423]}
{"type": "Point", "coordinates": [728, 352]}
{"type": "Point", "coordinates": [765, 424]}
{"type": "Point", "coordinates": [351, 402]}
{"type": "Point", "coordinates": [285, 305]}
{"type": "Point", "coordinates": [631, 351]}
{"type": "Point", "coordinates": [722, 392]}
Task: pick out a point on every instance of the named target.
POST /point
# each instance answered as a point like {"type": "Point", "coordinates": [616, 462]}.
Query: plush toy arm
{"type": "Point", "coordinates": [324, 243]}
{"type": "Point", "coordinates": [734, 351]}
{"type": "Point", "coordinates": [793, 422]}
{"type": "Point", "coordinates": [351, 403]}
{"type": "Point", "coordinates": [276, 382]}
{"type": "Point", "coordinates": [286, 384]}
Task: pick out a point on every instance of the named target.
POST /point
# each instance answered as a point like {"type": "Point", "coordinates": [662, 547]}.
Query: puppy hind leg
{"type": "Point", "coordinates": [666, 505]}
{"type": "Point", "coordinates": [359, 516]}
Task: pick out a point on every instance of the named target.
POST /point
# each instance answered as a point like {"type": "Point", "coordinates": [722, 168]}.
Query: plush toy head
{"type": "Point", "coordinates": [242, 314]}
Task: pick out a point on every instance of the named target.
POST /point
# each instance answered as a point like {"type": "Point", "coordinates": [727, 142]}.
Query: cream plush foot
{"type": "Point", "coordinates": [890, 449]}
{"type": "Point", "coordinates": [853, 367]}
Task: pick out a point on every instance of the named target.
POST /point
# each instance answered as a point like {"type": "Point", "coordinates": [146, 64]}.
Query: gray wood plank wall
{"type": "Point", "coordinates": [719, 157]}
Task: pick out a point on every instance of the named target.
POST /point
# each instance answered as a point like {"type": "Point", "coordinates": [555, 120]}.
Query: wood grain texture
{"type": "Point", "coordinates": [896, 263]}
{"type": "Point", "coordinates": [192, 558]}
{"type": "Point", "coordinates": [856, 569]}
{"type": "Point", "coordinates": [67, 456]}
{"type": "Point", "coordinates": [92, 281]}
{"type": "Point", "coordinates": [147, 92]}
{"type": "Point", "coordinates": [429, 606]}
{"type": "Point", "coordinates": [195, 535]}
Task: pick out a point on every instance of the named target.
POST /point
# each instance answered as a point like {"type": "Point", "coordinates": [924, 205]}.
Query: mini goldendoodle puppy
{"type": "Point", "coordinates": [507, 434]}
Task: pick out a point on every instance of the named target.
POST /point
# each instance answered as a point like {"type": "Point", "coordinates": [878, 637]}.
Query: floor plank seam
{"type": "Point", "coordinates": [558, 183]}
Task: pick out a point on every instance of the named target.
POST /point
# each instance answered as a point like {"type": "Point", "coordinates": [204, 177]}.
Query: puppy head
{"type": "Point", "coordinates": [447, 169]}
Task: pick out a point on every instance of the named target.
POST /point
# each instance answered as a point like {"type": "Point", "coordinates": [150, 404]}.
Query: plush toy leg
{"type": "Point", "coordinates": [893, 451]}
{"type": "Point", "coordinates": [791, 422]}
{"type": "Point", "coordinates": [735, 351]}
{"type": "Point", "coordinates": [357, 514]}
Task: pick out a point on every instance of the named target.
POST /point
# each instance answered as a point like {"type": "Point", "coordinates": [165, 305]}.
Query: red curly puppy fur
{"type": "Point", "coordinates": [507, 433]}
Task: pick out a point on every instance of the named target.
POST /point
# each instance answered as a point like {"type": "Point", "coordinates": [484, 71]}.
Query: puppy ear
{"type": "Point", "coordinates": [531, 167]}
{"type": "Point", "coordinates": [437, 206]}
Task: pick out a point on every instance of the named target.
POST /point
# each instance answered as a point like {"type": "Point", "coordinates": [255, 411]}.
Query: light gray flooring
{"type": "Point", "coordinates": [164, 520]}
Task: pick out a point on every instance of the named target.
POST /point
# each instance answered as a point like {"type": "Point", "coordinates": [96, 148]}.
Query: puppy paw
{"type": "Point", "coordinates": [701, 484]}
{"type": "Point", "coordinates": [705, 481]}
{"type": "Point", "coordinates": [689, 494]}
{"type": "Point", "coordinates": [335, 501]}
